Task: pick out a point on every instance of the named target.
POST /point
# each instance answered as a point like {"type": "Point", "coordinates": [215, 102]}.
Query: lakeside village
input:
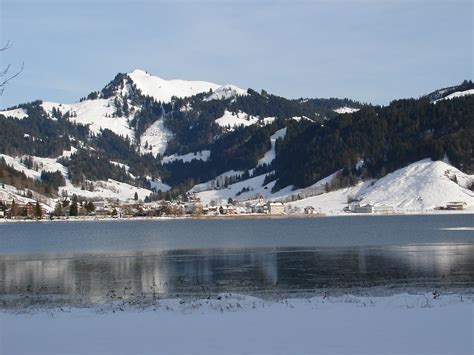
{"type": "Point", "coordinates": [76, 208]}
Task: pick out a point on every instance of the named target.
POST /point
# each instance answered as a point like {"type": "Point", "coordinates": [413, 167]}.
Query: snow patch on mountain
{"type": "Point", "coordinates": [231, 120]}
{"type": "Point", "coordinates": [346, 109]}
{"type": "Point", "coordinates": [18, 113]}
{"type": "Point", "coordinates": [158, 185]}
{"type": "Point", "coordinates": [186, 158]}
{"type": "Point", "coordinates": [457, 94]}
{"type": "Point", "coordinates": [299, 118]}
{"type": "Point", "coordinates": [97, 114]}
{"type": "Point", "coordinates": [270, 155]}
{"type": "Point", "coordinates": [163, 90]}
{"type": "Point", "coordinates": [155, 139]}
{"type": "Point", "coordinates": [226, 92]}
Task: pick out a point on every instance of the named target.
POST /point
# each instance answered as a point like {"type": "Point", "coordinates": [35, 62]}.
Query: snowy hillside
{"type": "Point", "coordinates": [231, 120]}
{"type": "Point", "coordinates": [163, 90]}
{"type": "Point", "coordinates": [226, 92]}
{"type": "Point", "coordinates": [18, 113]}
{"type": "Point", "coordinates": [102, 189]}
{"type": "Point", "coordinates": [155, 139]}
{"type": "Point", "coordinates": [97, 114]}
{"type": "Point", "coordinates": [421, 186]}
{"type": "Point", "coordinates": [457, 94]}
{"type": "Point", "coordinates": [270, 155]}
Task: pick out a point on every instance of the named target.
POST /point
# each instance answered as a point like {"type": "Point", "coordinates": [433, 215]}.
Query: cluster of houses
{"type": "Point", "coordinates": [454, 206]}
{"type": "Point", "coordinates": [370, 208]}
{"type": "Point", "coordinates": [116, 209]}
{"type": "Point", "coordinates": [29, 210]}
{"type": "Point", "coordinates": [387, 209]}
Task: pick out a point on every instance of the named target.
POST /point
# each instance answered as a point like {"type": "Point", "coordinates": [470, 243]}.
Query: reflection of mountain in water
{"type": "Point", "coordinates": [202, 271]}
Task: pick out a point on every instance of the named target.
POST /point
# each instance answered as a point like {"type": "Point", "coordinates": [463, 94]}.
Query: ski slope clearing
{"type": "Point", "coordinates": [186, 158]}
{"type": "Point", "coordinates": [346, 109]}
{"type": "Point", "coordinates": [155, 139]}
{"type": "Point", "coordinates": [163, 90]}
{"type": "Point", "coordinates": [398, 324]}
{"type": "Point", "coordinates": [18, 113]}
{"type": "Point", "coordinates": [97, 114]}
{"type": "Point", "coordinates": [271, 154]}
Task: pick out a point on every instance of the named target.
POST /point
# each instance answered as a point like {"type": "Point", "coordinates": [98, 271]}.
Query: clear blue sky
{"type": "Point", "coordinates": [369, 50]}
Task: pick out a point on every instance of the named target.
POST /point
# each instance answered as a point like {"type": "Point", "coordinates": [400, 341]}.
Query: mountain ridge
{"type": "Point", "coordinates": [129, 133]}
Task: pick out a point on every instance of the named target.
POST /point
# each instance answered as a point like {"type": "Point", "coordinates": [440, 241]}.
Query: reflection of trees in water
{"type": "Point", "coordinates": [237, 270]}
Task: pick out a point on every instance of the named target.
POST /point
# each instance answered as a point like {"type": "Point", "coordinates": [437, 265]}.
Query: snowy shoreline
{"type": "Point", "coordinates": [233, 323]}
{"type": "Point", "coordinates": [236, 217]}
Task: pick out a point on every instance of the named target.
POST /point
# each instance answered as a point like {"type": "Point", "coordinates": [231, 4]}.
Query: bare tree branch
{"type": "Point", "coordinates": [5, 76]}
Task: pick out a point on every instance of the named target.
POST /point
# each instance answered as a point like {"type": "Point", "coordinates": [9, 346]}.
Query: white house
{"type": "Point", "coordinates": [276, 207]}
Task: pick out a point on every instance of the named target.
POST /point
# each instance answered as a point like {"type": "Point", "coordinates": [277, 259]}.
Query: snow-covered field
{"type": "Point", "coordinates": [236, 324]}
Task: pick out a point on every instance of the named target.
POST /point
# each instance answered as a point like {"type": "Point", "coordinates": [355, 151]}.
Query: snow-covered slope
{"type": "Point", "coordinates": [18, 113]}
{"type": "Point", "coordinates": [97, 114]}
{"type": "Point", "coordinates": [155, 139]}
{"type": "Point", "coordinates": [163, 90]}
{"type": "Point", "coordinates": [239, 191]}
{"type": "Point", "coordinates": [270, 155]}
{"type": "Point", "coordinates": [421, 186]}
{"type": "Point", "coordinates": [102, 189]}
{"type": "Point", "coordinates": [231, 120]}
{"type": "Point", "coordinates": [226, 92]}
{"type": "Point", "coordinates": [457, 94]}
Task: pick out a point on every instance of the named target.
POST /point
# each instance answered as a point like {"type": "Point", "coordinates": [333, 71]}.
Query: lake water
{"type": "Point", "coordinates": [101, 261]}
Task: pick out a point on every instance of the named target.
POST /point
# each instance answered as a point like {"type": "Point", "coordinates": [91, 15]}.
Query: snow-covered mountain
{"type": "Point", "coordinates": [145, 134]}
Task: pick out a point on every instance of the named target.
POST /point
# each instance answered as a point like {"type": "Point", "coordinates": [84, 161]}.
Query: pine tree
{"type": "Point", "coordinates": [135, 197]}
{"type": "Point", "coordinates": [38, 211]}
{"type": "Point", "coordinates": [73, 211]}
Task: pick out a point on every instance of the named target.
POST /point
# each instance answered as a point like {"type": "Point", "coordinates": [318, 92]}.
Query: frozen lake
{"type": "Point", "coordinates": [82, 262]}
